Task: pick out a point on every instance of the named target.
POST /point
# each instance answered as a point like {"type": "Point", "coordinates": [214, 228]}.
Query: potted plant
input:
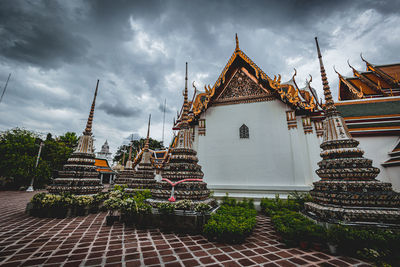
{"type": "Point", "coordinates": [113, 205]}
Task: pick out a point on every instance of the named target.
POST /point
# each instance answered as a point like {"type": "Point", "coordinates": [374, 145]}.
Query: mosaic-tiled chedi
{"type": "Point", "coordinates": [143, 177]}
{"type": "Point", "coordinates": [79, 175]}
{"type": "Point", "coordinates": [182, 176]}
{"type": "Point", "coordinates": [125, 176]}
{"type": "Point", "coordinates": [348, 190]}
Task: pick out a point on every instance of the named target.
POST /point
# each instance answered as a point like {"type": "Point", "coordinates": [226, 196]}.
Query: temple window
{"type": "Point", "coordinates": [244, 131]}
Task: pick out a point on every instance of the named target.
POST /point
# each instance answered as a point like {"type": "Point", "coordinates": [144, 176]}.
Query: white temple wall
{"type": "Point", "coordinates": [377, 149]}
{"type": "Point", "coordinates": [272, 160]}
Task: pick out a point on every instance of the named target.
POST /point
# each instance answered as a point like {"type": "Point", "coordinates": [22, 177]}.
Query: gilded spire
{"type": "Point", "coordinates": [185, 111]}
{"type": "Point", "coordinates": [146, 145]}
{"type": "Point", "coordinates": [237, 42]}
{"type": "Point", "coordinates": [88, 129]}
{"type": "Point", "coordinates": [329, 104]}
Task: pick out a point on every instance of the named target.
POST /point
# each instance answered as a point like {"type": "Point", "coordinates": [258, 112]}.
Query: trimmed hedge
{"type": "Point", "coordinates": [380, 246]}
{"type": "Point", "coordinates": [232, 223]}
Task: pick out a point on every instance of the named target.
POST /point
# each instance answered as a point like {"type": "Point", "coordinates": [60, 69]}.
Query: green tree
{"type": "Point", "coordinates": [137, 145]}
{"type": "Point", "coordinates": [18, 152]}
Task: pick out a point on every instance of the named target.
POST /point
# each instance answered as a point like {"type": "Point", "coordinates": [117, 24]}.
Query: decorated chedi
{"type": "Point", "coordinates": [182, 177]}
{"type": "Point", "coordinates": [125, 176]}
{"type": "Point", "coordinates": [79, 175]}
{"type": "Point", "coordinates": [143, 177]}
{"type": "Point", "coordinates": [348, 191]}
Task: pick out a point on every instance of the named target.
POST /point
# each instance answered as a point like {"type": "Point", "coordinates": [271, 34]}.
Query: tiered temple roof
{"type": "Point", "coordinates": [79, 175]}
{"type": "Point", "coordinates": [376, 81]}
{"type": "Point", "coordinates": [348, 191]}
{"type": "Point", "coordinates": [182, 176]}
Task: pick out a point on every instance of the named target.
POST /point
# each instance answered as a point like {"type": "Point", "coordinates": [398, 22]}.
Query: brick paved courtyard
{"type": "Point", "coordinates": [87, 241]}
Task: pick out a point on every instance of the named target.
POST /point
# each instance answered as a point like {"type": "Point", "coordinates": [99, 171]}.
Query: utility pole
{"type": "Point", "coordinates": [30, 188]}
{"type": "Point", "coordinates": [5, 88]}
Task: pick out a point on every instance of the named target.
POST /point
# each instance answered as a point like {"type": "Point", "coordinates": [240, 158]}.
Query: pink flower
{"type": "Point", "coordinates": [171, 199]}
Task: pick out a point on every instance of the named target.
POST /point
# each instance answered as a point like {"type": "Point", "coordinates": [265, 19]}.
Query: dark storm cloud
{"type": "Point", "coordinates": [39, 33]}
{"type": "Point", "coordinates": [120, 110]}
{"type": "Point", "coordinates": [56, 50]}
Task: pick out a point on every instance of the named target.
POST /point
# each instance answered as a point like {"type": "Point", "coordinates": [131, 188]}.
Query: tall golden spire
{"type": "Point", "coordinates": [237, 43]}
{"type": "Point", "coordinates": [330, 108]}
{"type": "Point", "coordinates": [185, 111]}
{"type": "Point", "coordinates": [146, 144]}
{"type": "Point", "coordinates": [88, 129]}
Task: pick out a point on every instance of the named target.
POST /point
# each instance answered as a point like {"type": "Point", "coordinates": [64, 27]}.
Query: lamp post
{"type": "Point", "coordinates": [30, 188]}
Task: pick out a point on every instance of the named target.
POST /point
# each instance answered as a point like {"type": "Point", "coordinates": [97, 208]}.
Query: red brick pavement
{"type": "Point", "coordinates": [87, 241]}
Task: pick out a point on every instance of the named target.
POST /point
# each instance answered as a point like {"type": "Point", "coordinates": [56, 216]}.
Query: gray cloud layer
{"type": "Point", "coordinates": [56, 50]}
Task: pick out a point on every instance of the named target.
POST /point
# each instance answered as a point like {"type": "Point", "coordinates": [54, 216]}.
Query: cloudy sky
{"type": "Point", "coordinates": [56, 50]}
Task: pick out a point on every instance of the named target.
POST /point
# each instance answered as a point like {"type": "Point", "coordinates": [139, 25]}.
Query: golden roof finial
{"type": "Point", "coordinates": [146, 145]}
{"type": "Point", "coordinates": [237, 42]}
{"type": "Point", "coordinates": [88, 129]}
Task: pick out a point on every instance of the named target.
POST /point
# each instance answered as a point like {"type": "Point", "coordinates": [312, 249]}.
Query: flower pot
{"type": "Point", "coordinates": [303, 244]}
{"type": "Point", "coordinates": [317, 246]}
{"type": "Point", "coordinates": [332, 248]}
{"type": "Point", "coordinates": [110, 219]}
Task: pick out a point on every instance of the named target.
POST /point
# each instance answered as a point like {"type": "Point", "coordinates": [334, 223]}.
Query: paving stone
{"type": "Point", "coordinates": [88, 241]}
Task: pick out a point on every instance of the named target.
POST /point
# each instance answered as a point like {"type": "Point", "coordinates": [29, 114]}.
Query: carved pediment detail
{"type": "Point", "coordinates": [242, 87]}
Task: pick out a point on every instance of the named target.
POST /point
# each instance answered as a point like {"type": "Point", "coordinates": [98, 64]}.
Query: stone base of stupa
{"type": "Point", "coordinates": [137, 184]}
{"type": "Point", "coordinates": [75, 186]}
{"type": "Point", "coordinates": [124, 177]}
{"type": "Point", "coordinates": [347, 215]}
{"type": "Point", "coordinates": [196, 191]}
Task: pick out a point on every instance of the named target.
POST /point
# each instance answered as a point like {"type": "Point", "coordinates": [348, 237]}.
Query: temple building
{"type": "Point", "coordinates": [254, 135]}
{"type": "Point", "coordinates": [182, 178]}
{"type": "Point", "coordinates": [79, 175]}
{"type": "Point", "coordinates": [370, 105]}
{"type": "Point", "coordinates": [348, 191]}
{"type": "Point", "coordinates": [257, 136]}
{"type": "Point", "coordinates": [106, 173]}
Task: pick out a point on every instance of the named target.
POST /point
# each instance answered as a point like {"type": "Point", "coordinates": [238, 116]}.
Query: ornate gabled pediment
{"type": "Point", "coordinates": [242, 89]}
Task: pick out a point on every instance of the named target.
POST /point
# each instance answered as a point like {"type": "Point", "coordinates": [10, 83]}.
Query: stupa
{"type": "Point", "coordinates": [143, 177]}
{"type": "Point", "coordinates": [124, 176]}
{"type": "Point", "coordinates": [182, 177]}
{"type": "Point", "coordinates": [348, 191]}
{"type": "Point", "coordinates": [79, 175]}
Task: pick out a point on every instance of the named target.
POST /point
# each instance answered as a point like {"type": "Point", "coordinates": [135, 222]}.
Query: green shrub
{"type": "Point", "coordinates": [166, 208]}
{"type": "Point", "coordinates": [184, 205]}
{"type": "Point", "coordinates": [271, 206]}
{"type": "Point", "coordinates": [202, 208]}
{"type": "Point", "coordinates": [232, 223]}
{"type": "Point", "coordinates": [131, 207]}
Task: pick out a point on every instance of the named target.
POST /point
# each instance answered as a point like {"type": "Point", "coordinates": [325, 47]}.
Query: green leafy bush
{"type": "Point", "coordinates": [166, 208]}
{"type": "Point", "coordinates": [184, 205]}
{"type": "Point", "coordinates": [378, 245]}
{"type": "Point", "coordinates": [270, 206]}
{"type": "Point", "coordinates": [202, 208]}
{"type": "Point", "coordinates": [130, 207]}
{"type": "Point", "coordinates": [233, 222]}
